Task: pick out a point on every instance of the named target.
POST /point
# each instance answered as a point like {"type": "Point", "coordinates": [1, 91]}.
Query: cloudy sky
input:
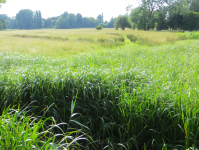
{"type": "Point", "coordinates": [51, 8]}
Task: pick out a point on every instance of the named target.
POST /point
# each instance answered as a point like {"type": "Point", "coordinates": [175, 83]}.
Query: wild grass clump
{"type": "Point", "coordinates": [86, 39]}
{"type": "Point", "coordinates": [20, 131]}
{"type": "Point", "coordinates": [132, 37]}
{"type": "Point", "coordinates": [42, 37]}
{"type": "Point", "coordinates": [120, 39]}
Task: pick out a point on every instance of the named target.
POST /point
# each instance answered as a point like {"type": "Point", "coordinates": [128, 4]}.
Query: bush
{"type": "Point", "coordinates": [99, 27]}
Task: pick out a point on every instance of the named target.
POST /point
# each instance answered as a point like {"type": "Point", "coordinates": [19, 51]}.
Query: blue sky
{"type": "Point", "coordinates": [50, 8]}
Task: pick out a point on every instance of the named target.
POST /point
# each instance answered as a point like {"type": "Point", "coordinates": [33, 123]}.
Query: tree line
{"type": "Point", "coordinates": [151, 14]}
{"type": "Point", "coordinates": [166, 14]}
{"type": "Point", "coordinates": [27, 19]}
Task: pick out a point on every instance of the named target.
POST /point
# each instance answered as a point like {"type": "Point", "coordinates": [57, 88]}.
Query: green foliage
{"type": "Point", "coordinates": [11, 22]}
{"type": "Point", "coordinates": [27, 19]}
{"type": "Point", "coordinates": [48, 23]}
{"type": "Point", "coordinates": [20, 131]}
{"type": "Point", "coordinates": [62, 23]}
{"type": "Point", "coordinates": [161, 19]}
{"type": "Point", "coordinates": [122, 22]}
{"type": "Point", "coordinates": [99, 27]}
{"type": "Point", "coordinates": [4, 24]}
{"type": "Point", "coordinates": [190, 35]}
{"type": "Point", "coordinates": [161, 14]}
{"type": "Point", "coordinates": [1, 26]}
{"type": "Point", "coordinates": [24, 19]}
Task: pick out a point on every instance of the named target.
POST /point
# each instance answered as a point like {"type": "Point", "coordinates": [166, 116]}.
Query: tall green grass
{"type": "Point", "coordinates": [137, 97]}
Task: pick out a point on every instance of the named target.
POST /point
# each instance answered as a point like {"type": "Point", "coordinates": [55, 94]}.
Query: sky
{"type": "Point", "coordinates": [53, 8]}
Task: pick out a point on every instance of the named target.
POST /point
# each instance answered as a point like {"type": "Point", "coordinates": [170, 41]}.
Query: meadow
{"type": "Point", "coordinates": [107, 89]}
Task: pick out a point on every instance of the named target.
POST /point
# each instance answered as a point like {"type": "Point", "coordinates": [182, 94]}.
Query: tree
{"type": "Point", "coordinates": [4, 24]}
{"type": "Point", "coordinates": [72, 20]}
{"type": "Point", "coordinates": [62, 23]}
{"type": "Point", "coordinates": [79, 20]}
{"type": "Point", "coordinates": [110, 24]}
{"type": "Point", "coordinates": [24, 19]}
{"type": "Point", "coordinates": [122, 22]}
{"type": "Point", "coordinates": [194, 5]}
{"type": "Point", "coordinates": [1, 26]}
{"type": "Point", "coordinates": [39, 20]}
{"type": "Point", "coordinates": [48, 23]}
{"type": "Point", "coordinates": [138, 18]}
{"type": "Point", "coordinates": [161, 19]}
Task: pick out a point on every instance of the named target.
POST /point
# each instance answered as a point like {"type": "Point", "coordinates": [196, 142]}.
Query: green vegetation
{"type": "Point", "coordinates": [99, 27]}
{"type": "Point", "coordinates": [130, 96]}
{"type": "Point", "coordinates": [3, 24]}
{"type": "Point", "coordinates": [165, 14]}
{"type": "Point", "coordinates": [122, 22]}
{"type": "Point", "coordinates": [19, 131]}
{"type": "Point", "coordinates": [190, 35]}
{"type": "Point", "coordinates": [52, 42]}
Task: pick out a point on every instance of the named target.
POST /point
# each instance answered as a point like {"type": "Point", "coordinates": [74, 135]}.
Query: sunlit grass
{"type": "Point", "coordinates": [53, 42]}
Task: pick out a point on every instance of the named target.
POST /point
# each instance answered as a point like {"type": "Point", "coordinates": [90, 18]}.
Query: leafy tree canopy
{"type": "Point", "coordinates": [122, 22]}
{"type": "Point", "coordinates": [3, 24]}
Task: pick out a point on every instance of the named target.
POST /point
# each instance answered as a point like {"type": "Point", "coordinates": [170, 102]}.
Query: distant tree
{"type": "Point", "coordinates": [39, 19]}
{"type": "Point", "coordinates": [24, 19]}
{"type": "Point", "coordinates": [191, 21]}
{"type": "Point", "coordinates": [99, 17]}
{"type": "Point", "coordinates": [79, 20]}
{"type": "Point", "coordinates": [161, 19]}
{"type": "Point", "coordinates": [85, 22]}
{"type": "Point", "coordinates": [110, 24]}
{"type": "Point", "coordinates": [62, 23]}
{"type": "Point", "coordinates": [138, 18]}
{"type": "Point", "coordinates": [65, 15]}
{"type": "Point", "coordinates": [48, 23]}
{"type": "Point", "coordinates": [12, 24]}
{"type": "Point", "coordinates": [4, 24]}
{"type": "Point", "coordinates": [6, 18]}
{"type": "Point", "coordinates": [71, 18]}
{"type": "Point", "coordinates": [1, 26]}
{"type": "Point", "coordinates": [122, 22]}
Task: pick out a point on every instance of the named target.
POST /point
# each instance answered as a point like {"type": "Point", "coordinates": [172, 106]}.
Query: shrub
{"type": "Point", "coordinates": [99, 27]}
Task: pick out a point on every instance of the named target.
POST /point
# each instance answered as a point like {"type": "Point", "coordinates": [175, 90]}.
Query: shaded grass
{"type": "Point", "coordinates": [133, 97]}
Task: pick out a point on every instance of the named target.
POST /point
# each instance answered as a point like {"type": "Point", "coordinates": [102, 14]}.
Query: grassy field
{"type": "Point", "coordinates": [52, 42]}
{"type": "Point", "coordinates": [128, 95]}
